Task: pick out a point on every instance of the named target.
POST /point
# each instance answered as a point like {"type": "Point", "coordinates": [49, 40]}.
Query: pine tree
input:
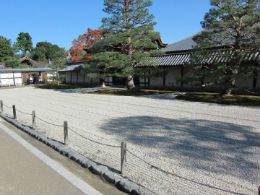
{"type": "Point", "coordinates": [128, 38]}
{"type": "Point", "coordinates": [24, 43]}
{"type": "Point", "coordinates": [234, 23]}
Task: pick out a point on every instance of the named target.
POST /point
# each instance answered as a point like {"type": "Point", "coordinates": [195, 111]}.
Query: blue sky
{"type": "Point", "coordinates": [60, 21]}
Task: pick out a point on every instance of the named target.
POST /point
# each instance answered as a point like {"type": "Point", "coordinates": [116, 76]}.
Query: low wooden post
{"type": "Point", "coordinates": [33, 120]}
{"type": "Point", "coordinates": [123, 156]}
{"type": "Point", "coordinates": [65, 132]}
{"type": "Point", "coordinates": [259, 190]}
{"type": "Point", "coordinates": [1, 106]}
{"type": "Point", "coordinates": [14, 112]}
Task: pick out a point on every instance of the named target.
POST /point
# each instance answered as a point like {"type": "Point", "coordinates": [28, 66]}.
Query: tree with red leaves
{"type": "Point", "coordinates": [79, 50]}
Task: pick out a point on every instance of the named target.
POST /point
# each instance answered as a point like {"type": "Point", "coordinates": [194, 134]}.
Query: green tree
{"type": "Point", "coordinates": [7, 55]}
{"type": "Point", "coordinates": [12, 61]}
{"type": "Point", "coordinates": [45, 52]}
{"type": "Point", "coordinates": [24, 43]}
{"type": "Point", "coordinates": [234, 23]}
{"type": "Point", "coordinates": [128, 38]}
{"type": "Point", "coordinates": [5, 48]}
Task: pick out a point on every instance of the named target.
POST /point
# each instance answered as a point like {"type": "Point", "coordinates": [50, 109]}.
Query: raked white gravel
{"type": "Point", "coordinates": [207, 148]}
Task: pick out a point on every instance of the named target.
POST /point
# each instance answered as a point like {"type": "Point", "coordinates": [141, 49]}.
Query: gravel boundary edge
{"type": "Point", "coordinates": [103, 171]}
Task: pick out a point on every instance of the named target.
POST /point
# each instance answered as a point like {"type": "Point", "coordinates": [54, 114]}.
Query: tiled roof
{"type": "Point", "coordinates": [171, 60]}
{"type": "Point", "coordinates": [205, 57]}
{"type": "Point", "coordinates": [225, 55]}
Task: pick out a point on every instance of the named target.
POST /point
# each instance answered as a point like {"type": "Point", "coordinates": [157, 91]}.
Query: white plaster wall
{"type": "Point", "coordinates": [7, 79]}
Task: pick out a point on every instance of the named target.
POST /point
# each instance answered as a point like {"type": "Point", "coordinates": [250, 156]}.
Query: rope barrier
{"type": "Point", "coordinates": [114, 146]}
{"type": "Point", "coordinates": [95, 135]}
{"type": "Point", "coordinates": [48, 122]}
{"type": "Point", "coordinates": [23, 112]}
{"type": "Point", "coordinates": [151, 165]}
{"type": "Point", "coordinates": [7, 106]}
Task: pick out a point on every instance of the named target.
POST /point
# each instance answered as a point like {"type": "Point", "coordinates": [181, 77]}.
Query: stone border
{"type": "Point", "coordinates": [117, 180]}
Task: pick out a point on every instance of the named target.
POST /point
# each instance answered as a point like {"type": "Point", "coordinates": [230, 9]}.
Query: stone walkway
{"type": "Point", "coordinates": [22, 172]}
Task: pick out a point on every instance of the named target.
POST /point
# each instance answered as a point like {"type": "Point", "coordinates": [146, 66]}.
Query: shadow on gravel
{"type": "Point", "coordinates": [78, 90]}
{"type": "Point", "coordinates": [84, 90]}
{"type": "Point", "coordinates": [213, 146]}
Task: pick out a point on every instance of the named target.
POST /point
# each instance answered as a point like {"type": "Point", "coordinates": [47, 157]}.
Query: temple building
{"type": "Point", "coordinates": [173, 68]}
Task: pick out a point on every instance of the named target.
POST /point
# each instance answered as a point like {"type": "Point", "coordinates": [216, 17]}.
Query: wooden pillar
{"type": "Point", "coordinates": [71, 77]}
{"type": "Point", "coordinates": [14, 112]}
{"type": "Point", "coordinates": [202, 80]}
{"type": "Point", "coordinates": [123, 156]}
{"type": "Point", "coordinates": [33, 120]}
{"type": "Point", "coordinates": [65, 132]}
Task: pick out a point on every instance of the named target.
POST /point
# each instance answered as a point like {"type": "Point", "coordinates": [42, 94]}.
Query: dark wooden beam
{"type": "Point", "coordinates": [77, 77]}
{"type": "Point", "coordinates": [149, 74]}
{"type": "Point", "coordinates": [145, 83]}
{"type": "Point", "coordinates": [182, 75]}
{"type": "Point", "coordinates": [255, 75]}
{"type": "Point", "coordinates": [164, 77]}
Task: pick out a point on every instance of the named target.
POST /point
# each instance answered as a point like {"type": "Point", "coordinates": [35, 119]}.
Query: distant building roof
{"type": "Point", "coordinates": [185, 44]}
{"type": "Point", "coordinates": [33, 63]}
{"type": "Point", "coordinates": [73, 67]}
{"type": "Point", "coordinates": [28, 60]}
{"type": "Point", "coordinates": [188, 43]}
